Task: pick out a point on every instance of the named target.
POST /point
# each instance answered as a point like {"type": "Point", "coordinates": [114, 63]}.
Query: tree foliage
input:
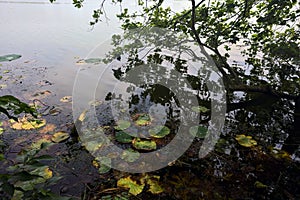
{"type": "Point", "coordinates": [265, 34]}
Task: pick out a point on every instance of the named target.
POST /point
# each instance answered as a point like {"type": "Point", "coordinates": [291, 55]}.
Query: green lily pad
{"type": "Point", "coordinates": [9, 57]}
{"type": "Point", "coordinates": [198, 131]}
{"type": "Point", "coordinates": [143, 120]}
{"type": "Point", "coordinates": [105, 165]}
{"type": "Point", "coordinates": [122, 125]}
{"type": "Point", "coordinates": [60, 137]}
{"type": "Point", "coordinates": [143, 144]}
{"type": "Point", "coordinates": [159, 131]}
{"type": "Point", "coordinates": [200, 109]}
{"type": "Point", "coordinates": [93, 60]}
{"type": "Point", "coordinates": [259, 184]}
{"type": "Point", "coordinates": [245, 141]}
{"type": "Point", "coordinates": [155, 188]}
{"type": "Point", "coordinates": [123, 137]}
{"type": "Point", "coordinates": [133, 186]}
{"type": "Point", "coordinates": [130, 155]}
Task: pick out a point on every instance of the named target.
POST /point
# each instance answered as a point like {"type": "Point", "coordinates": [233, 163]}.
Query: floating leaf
{"type": "Point", "coordinates": [1, 129]}
{"type": "Point", "coordinates": [200, 109]}
{"type": "Point", "coordinates": [259, 184]}
{"type": "Point", "coordinates": [60, 137]}
{"type": "Point", "coordinates": [90, 61]}
{"type": "Point", "coordinates": [123, 137]}
{"type": "Point", "coordinates": [281, 154]}
{"type": "Point", "coordinates": [245, 141]}
{"type": "Point", "coordinates": [9, 57]}
{"type": "Point", "coordinates": [198, 131]}
{"type": "Point", "coordinates": [143, 120]}
{"type": "Point", "coordinates": [143, 144]}
{"type": "Point", "coordinates": [82, 116]}
{"type": "Point", "coordinates": [37, 144]}
{"type": "Point", "coordinates": [105, 164]}
{"type": "Point", "coordinates": [54, 111]}
{"type": "Point", "coordinates": [93, 60]}
{"type": "Point", "coordinates": [122, 125]}
{"type": "Point", "coordinates": [41, 94]}
{"type": "Point", "coordinates": [159, 131]}
{"type": "Point", "coordinates": [47, 129]}
{"type": "Point", "coordinates": [66, 99]}
{"type": "Point", "coordinates": [130, 155]}
{"type": "Point", "coordinates": [3, 86]}
{"type": "Point", "coordinates": [28, 124]}
{"type": "Point", "coordinates": [155, 188]}
{"type": "Point", "coordinates": [132, 185]}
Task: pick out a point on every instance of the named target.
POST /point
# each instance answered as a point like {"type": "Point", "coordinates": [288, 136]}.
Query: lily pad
{"type": "Point", "coordinates": [66, 99]}
{"type": "Point", "coordinates": [133, 186]}
{"type": "Point", "coordinates": [245, 141]}
{"type": "Point", "coordinates": [155, 188]}
{"type": "Point", "coordinates": [9, 57]}
{"type": "Point", "coordinates": [144, 144]}
{"type": "Point", "coordinates": [60, 137]}
{"type": "Point", "coordinates": [1, 128]}
{"type": "Point", "coordinates": [159, 131]}
{"type": "Point", "coordinates": [198, 131]}
{"type": "Point", "coordinates": [93, 60]}
{"type": "Point", "coordinates": [143, 120]}
{"type": "Point", "coordinates": [28, 124]}
{"type": "Point", "coordinates": [200, 109]}
{"type": "Point", "coordinates": [123, 137]}
{"type": "Point", "coordinates": [122, 125]}
{"type": "Point", "coordinates": [130, 155]}
{"type": "Point", "coordinates": [105, 164]}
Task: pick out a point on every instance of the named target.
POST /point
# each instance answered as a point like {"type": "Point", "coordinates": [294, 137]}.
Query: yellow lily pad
{"type": "Point", "coordinates": [144, 144]}
{"type": "Point", "coordinates": [143, 120]}
{"type": "Point", "coordinates": [28, 124]}
{"type": "Point", "coordinates": [60, 137]}
{"type": "Point", "coordinates": [245, 141]}
{"type": "Point", "coordinates": [133, 186]}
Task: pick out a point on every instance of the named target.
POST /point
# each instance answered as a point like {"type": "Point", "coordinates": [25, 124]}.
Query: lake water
{"type": "Point", "coordinates": [55, 35]}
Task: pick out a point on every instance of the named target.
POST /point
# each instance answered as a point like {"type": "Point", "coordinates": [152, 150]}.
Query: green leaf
{"type": "Point", "coordinates": [259, 184]}
{"type": "Point", "coordinates": [198, 131]}
{"type": "Point", "coordinates": [8, 188]}
{"type": "Point", "coordinates": [155, 188]}
{"type": "Point", "coordinates": [24, 176]}
{"type": "Point", "coordinates": [132, 185]}
{"type": "Point", "coordinates": [9, 102]}
{"type": "Point", "coordinates": [123, 137]}
{"type": "Point", "coordinates": [200, 109]}
{"type": "Point", "coordinates": [245, 141]}
{"type": "Point", "coordinates": [159, 131]}
{"type": "Point", "coordinates": [122, 125]}
{"type": "Point", "coordinates": [105, 164]}
{"type": "Point", "coordinates": [130, 155]}
{"type": "Point", "coordinates": [93, 60]}
{"type": "Point", "coordinates": [143, 120]}
{"type": "Point", "coordinates": [60, 137]}
{"type": "Point", "coordinates": [144, 144]}
{"type": "Point", "coordinates": [9, 57]}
